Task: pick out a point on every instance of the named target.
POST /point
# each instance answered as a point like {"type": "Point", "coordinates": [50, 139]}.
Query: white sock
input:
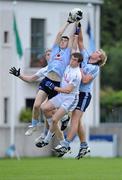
{"type": "Point", "coordinates": [65, 143]}
{"type": "Point", "coordinates": [45, 131]}
{"type": "Point", "coordinates": [49, 120]}
{"type": "Point", "coordinates": [48, 137]}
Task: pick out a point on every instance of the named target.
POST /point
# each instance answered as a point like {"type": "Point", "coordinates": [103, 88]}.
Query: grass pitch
{"type": "Point", "coordinates": [61, 169]}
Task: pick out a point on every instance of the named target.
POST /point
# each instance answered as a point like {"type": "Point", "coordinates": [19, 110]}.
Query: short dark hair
{"type": "Point", "coordinates": [65, 37]}
{"type": "Point", "coordinates": [78, 55]}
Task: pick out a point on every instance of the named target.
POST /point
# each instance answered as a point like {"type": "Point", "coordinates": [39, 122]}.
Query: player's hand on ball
{"type": "Point", "coordinates": [50, 85]}
{"type": "Point", "coordinates": [14, 71]}
{"type": "Point", "coordinates": [78, 28]}
{"type": "Point", "coordinates": [78, 24]}
{"type": "Point", "coordinates": [79, 16]}
{"type": "Point", "coordinates": [70, 20]}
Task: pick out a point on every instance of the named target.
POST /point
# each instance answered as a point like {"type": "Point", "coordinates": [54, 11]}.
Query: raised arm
{"type": "Point", "coordinates": [77, 43]}
{"type": "Point", "coordinates": [80, 38]}
{"type": "Point", "coordinates": [73, 41]}
{"type": "Point", "coordinates": [63, 28]}
{"type": "Point", "coordinates": [60, 33]}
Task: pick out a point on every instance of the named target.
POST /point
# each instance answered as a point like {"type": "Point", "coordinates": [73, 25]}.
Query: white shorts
{"type": "Point", "coordinates": [69, 103]}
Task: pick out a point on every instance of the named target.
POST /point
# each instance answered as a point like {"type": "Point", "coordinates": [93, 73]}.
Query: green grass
{"type": "Point", "coordinates": [61, 169]}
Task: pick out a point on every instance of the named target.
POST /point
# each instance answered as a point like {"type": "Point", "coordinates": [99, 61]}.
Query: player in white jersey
{"type": "Point", "coordinates": [67, 98]}
{"type": "Point", "coordinates": [39, 75]}
{"type": "Point", "coordinates": [90, 69]}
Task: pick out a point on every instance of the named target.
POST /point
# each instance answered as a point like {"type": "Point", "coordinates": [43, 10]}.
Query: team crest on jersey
{"type": "Point", "coordinates": [58, 57]}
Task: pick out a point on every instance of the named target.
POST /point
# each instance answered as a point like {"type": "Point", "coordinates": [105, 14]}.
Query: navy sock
{"type": "Point", "coordinates": [83, 144]}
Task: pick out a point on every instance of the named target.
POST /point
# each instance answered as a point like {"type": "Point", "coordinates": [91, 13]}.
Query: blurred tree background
{"type": "Point", "coordinates": [111, 42]}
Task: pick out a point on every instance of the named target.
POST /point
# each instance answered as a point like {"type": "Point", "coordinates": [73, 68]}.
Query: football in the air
{"type": "Point", "coordinates": [76, 14]}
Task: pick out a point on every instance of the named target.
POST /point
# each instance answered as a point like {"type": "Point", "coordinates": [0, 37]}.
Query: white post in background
{"type": "Point", "coordinates": [13, 92]}
{"type": "Point", "coordinates": [12, 149]}
{"type": "Point", "coordinates": [13, 111]}
{"type": "Point", "coordinates": [96, 94]}
{"type": "Point", "coordinates": [88, 116]}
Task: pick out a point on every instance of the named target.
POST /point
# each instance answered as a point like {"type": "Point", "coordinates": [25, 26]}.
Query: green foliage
{"type": "Point", "coordinates": [25, 115]}
{"type": "Point", "coordinates": [111, 18]}
{"type": "Point", "coordinates": [111, 72]}
{"type": "Point", "coordinates": [111, 42]}
{"type": "Point", "coordinates": [111, 106]}
{"type": "Point", "coordinates": [110, 99]}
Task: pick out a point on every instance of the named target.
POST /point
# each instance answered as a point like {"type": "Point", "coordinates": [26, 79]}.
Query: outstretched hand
{"type": "Point", "coordinates": [14, 71]}
{"type": "Point", "coordinates": [70, 20]}
{"type": "Point", "coordinates": [78, 28]}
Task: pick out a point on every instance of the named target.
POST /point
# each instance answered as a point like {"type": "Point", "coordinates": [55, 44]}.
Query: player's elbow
{"type": "Point", "coordinates": [85, 81]}
{"type": "Point", "coordinates": [59, 34]}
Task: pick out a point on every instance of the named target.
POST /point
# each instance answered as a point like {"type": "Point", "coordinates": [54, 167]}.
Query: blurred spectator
{"type": "Point", "coordinates": [40, 60]}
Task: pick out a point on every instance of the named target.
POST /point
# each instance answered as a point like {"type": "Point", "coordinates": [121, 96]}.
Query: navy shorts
{"type": "Point", "coordinates": [48, 91]}
{"type": "Point", "coordinates": [84, 101]}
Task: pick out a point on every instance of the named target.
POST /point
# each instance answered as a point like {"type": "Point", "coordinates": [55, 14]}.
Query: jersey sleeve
{"type": "Point", "coordinates": [41, 72]}
{"type": "Point", "coordinates": [85, 55]}
{"type": "Point", "coordinates": [94, 71]}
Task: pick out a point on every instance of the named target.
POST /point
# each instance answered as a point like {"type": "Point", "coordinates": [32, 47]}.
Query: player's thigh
{"type": "Point", "coordinates": [47, 106]}
{"type": "Point", "coordinates": [76, 115]}
{"type": "Point", "coordinates": [40, 98]}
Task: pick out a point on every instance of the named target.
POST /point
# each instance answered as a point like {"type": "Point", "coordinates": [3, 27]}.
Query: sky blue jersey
{"type": "Point", "coordinates": [88, 69]}
{"type": "Point", "coordinates": [59, 60]}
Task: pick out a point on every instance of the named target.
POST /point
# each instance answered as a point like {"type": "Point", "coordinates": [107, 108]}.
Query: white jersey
{"type": "Point", "coordinates": [41, 73]}
{"type": "Point", "coordinates": [71, 76]}
{"type": "Point", "coordinates": [64, 100]}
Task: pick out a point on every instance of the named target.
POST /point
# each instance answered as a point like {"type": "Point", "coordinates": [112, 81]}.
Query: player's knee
{"type": "Point", "coordinates": [54, 121]}
{"type": "Point", "coordinates": [36, 107]}
{"type": "Point", "coordinates": [43, 108]}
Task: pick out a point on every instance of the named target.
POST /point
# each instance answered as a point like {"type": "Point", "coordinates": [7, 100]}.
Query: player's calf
{"type": "Point", "coordinates": [64, 122]}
